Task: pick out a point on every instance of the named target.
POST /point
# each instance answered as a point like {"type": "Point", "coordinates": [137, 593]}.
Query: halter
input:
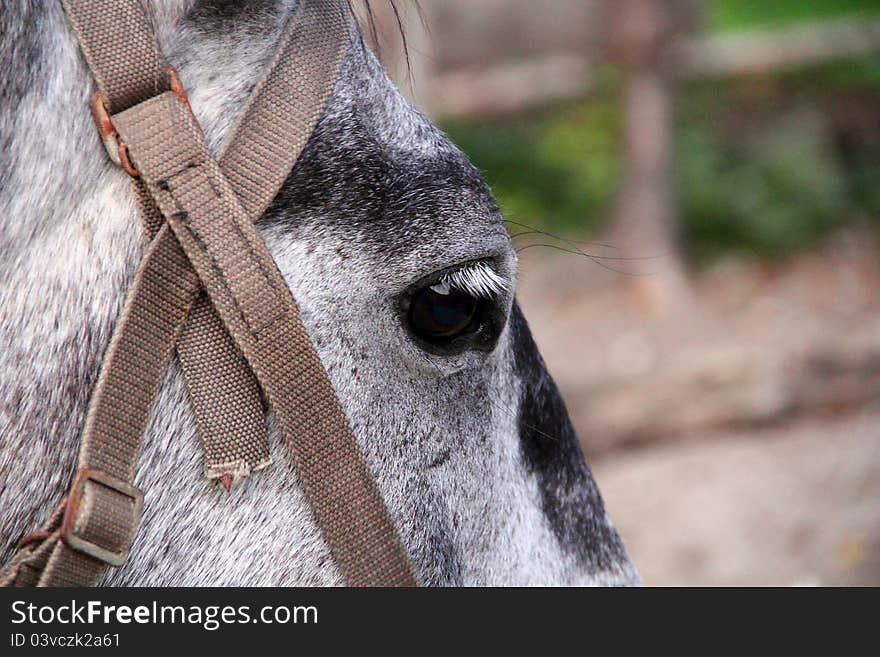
{"type": "Point", "coordinates": [208, 287]}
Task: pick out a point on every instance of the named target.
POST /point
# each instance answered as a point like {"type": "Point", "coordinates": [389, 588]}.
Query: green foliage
{"type": "Point", "coordinates": [724, 15]}
{"type": "Point", "coordinates": [860, 74]}
{"type": "Point", "coordinates": [562, 165]}
{"type": "Point", "coordinates": [758, 167]}
{"type": "Point", "coordinates": [773, 192]}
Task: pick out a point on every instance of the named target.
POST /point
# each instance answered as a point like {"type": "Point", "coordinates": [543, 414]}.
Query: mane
{"type": "Point", "coordinates": [366, 21]}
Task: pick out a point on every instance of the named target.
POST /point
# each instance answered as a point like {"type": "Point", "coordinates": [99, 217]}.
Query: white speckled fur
{"type": "Point", "coordinates": [440, 433]}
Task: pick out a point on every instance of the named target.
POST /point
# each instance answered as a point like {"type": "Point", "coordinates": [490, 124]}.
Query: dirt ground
{"type": "Point", "coordinates": [733, 426]}
{"type": "Point", "coordinates": [799, 504]}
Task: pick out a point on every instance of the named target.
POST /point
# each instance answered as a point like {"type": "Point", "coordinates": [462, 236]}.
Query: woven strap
{"type": "Point", "coordinates": [225, 396]}
{"type": "Point", "coordinates": [210, 212]}
{"type": "Point", "coordinates": [120, 48]}
{"type": "Point", "coordinates": [224, 393]}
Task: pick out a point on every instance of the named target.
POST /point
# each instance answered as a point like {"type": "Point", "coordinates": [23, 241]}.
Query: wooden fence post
{"type": "Point", "coordinates": [639, 39]}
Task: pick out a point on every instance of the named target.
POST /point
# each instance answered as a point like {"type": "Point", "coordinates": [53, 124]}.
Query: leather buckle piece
{"type": "Point", "coordinates": [116, 148]}
{"type": "Point", "coordinates": [113, 510]}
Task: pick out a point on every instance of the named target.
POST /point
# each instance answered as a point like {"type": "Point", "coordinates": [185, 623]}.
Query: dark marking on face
{"type": "Point", "coordinates": [441, 458]}
{"type": "Point", "coordinates": [550, 450]}
{"type": "Point", "coordinates": [359, 182]}
{"type": "Point", "coordinates": [229, 14]}
{"type": "Point", "coordinates": [344, 175]}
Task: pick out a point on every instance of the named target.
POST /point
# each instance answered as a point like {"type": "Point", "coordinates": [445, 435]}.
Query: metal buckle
{"type": "Point", "coordinates": [116, 148]}
{"type": "Point", "coordinates": [130, 495]}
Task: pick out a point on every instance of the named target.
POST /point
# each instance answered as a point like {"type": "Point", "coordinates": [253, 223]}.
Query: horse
{"type": "Point", "coordinates": [404, 273]}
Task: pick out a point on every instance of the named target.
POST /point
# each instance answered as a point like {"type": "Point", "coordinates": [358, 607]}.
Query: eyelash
{"type": "Point", "coordinates": [478, 279]}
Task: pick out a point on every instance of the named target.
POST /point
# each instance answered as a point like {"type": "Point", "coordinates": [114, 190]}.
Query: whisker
{"type": "Point", "coordinates": [538, 231]}
{"type": "Point", "coordinates": [562, 239]}
{"type": "Point", "coordinates": [515, 414]}
{"type": "Point", "coordinates": [596, 259]}
{"type": "Point", "coordinates": [592, 255]}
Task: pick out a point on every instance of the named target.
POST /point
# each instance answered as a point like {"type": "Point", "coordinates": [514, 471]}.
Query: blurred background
{"type": "Point", "coordinates": [693, 187]}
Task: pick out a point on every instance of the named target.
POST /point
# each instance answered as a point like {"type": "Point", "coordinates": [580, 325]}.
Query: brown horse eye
{"type": "Point", "coordinates": [437, 317]}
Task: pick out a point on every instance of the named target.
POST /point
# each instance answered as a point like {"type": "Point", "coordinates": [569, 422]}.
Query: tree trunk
{"type": "Point", "coordinates": [645, 220]}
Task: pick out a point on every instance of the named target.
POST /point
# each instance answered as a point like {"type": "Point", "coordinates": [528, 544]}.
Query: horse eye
{"type": "Point", "coordinates": [438, 314]}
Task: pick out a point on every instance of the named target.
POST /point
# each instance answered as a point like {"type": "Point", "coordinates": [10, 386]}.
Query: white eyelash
{"type": "Point", "coordinates": [477, 279]}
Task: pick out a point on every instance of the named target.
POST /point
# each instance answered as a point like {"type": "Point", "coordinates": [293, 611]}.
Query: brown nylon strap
{"type": "Point", "coordinates": [30, 561]}
{"type": "Point", "coordinates": [266, 141]}
{"type": "Point", "coordinates": [155, 311]}
{"type": "Point", "coordinates": [258, 309]}
{"type": "Point", "coordinates": [253, 300]}
{"type": "Point", "coordinates": [225, 396]}
{"type": "Point", "coordinates": [224, 393]}
{"type": "Point", "coordinates": [275, 124]}
{"type": "Point", "coordinates": [120, 48]}
{"type": "Point", "coordinates": [123, 55]}
{"type": "Point", "coordinates": [124, 58]}
{"type": "Point", "coordinates": [156, 307]}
